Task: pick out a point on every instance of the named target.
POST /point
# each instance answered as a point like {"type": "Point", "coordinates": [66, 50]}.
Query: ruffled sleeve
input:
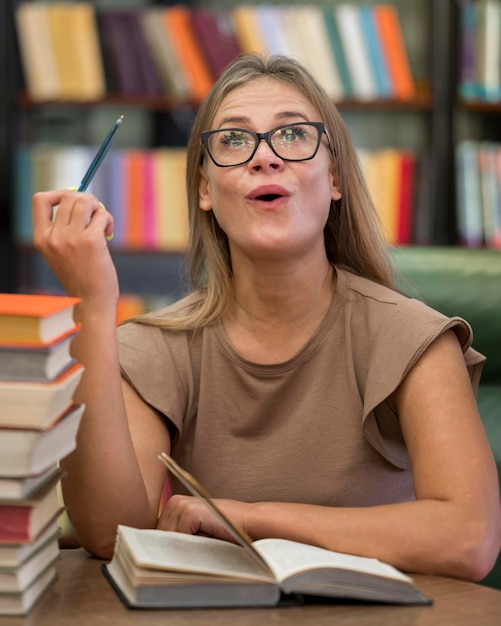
{"type": "Point", "coordinates": [159, 366]}
{"type": "Point", "coordinates": [402, 339]}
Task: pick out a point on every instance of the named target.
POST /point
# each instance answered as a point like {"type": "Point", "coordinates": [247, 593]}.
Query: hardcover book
{"type": "Point", "coordinates": [25, 451]}
{"type": "Point", "coordinates": [163, 569]}
{"type": "Point", "coordinates": [27, 319]}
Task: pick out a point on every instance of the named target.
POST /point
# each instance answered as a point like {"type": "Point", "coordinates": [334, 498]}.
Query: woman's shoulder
{"type": "Point", "coordinates": [387, 312]}
{"type": "Point", "coordinates": [369, 294]}
{"type": "Point", "coordinates": [353, 286]}
{"type": "Point", "coordinates": [151, 320]}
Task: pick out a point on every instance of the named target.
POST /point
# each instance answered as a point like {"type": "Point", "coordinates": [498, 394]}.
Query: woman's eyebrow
{"type": "Point", "coordinates": [243, 120]}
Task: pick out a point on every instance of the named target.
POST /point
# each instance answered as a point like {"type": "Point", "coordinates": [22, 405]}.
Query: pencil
{"type": "Point", "coordinates": [101, 153]}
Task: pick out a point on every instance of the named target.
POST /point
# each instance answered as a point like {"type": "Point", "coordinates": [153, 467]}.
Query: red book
{"type": "Point", "coordinates": [406, 197]}
{"type": "Point", "coordinates": [216, 34]}
{"type": "Point", "coordinates": [135, 228]}
{"type": "Point", "coordinates": [26, 519]}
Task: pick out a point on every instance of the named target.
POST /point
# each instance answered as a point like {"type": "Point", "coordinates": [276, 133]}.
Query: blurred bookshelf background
{"type": "Point", "coordinates": [418, 84]}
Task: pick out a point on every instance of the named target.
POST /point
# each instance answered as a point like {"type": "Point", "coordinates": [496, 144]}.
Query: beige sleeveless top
{"type": "Point", "coordinates": [315, 429]}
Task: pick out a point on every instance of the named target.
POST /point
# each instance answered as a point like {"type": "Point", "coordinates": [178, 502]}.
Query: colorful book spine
{"type": "Point", "coordinates": [331, 24]}
{"type": "Point", "coordinates": [395, 51]}
{"type": "Point", "coordinates": [379, 65]}
{"type": "Point", "coordinates": [356, 51]}
{"type": "Point", "coordinates": [469, 197]}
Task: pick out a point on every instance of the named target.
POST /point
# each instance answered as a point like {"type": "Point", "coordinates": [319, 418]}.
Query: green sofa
{"type": "Point", "coordinates": [465, 282]}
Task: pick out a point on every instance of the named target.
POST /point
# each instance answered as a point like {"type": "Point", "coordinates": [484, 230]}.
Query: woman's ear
{"type": "Point", "coordinates": [335, 184]}
{"type": "Point", "coordinates": [204, 199]}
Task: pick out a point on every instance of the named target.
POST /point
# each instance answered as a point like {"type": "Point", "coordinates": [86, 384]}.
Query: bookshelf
{"type": "Point", "coordinates": [423, 123]}
{"type": "Point", "coordinates": [7, 250]}
{"type": "Point", "coordinates": [476, 121]}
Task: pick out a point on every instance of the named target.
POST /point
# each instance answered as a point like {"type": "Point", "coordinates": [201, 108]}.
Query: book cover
{"type": "Point", "coordinates": [116, 201]}
{"type": "Point", "coordinates": [468, 87]}
{"type": "Point", "coordinates": [489, 191]}
{"type": "Point", "coordinates": [122, 59]}
{"type": "Point", "coordinates": [170, 72]}
{"type": "Point", "coordinates": [151, 79]}
{"type": "Point", "coordinates": [469, 197]}
{"type": "Point", "coordinates": [68, 166]}
{"type": "Point", "coordinates": [394, 50]}
{"type": "Point", "coordinates": [23, 192]}
{"type": "Point", "coordinates": [38, 57]}
{"type": "Point", "coordinates": [62, 27]}
{"type": "Point", "coordinates": [379, 66]}
{"type": "Point", "coordinates": [247, 29]}
{"type": "Point", "coordinates": [12, 555]}
{"type": "Point", "coordinates": [178, 22]}
{"type": "Point", "coordinates": [27, 404]}
{"type": "Point", "coordinates": [20, 604]}
{"type": "Point", "coordinates": [36, 363]}
{"type": "Point", "coordinates": [211, 572]}
{"type": "Point", "coordinates": [405, 210]}
{"type": "Point", "coordinates": [311, 32]}
{"type": "Point", "coordinates": [17, 580]}
{"type": "Point", "coordinates": [331, 24]}
{"type": "Point", "coordinates": [150, 222]}
{"type": "Point", "coordinates": [24, 520]}
{"type": "Point", "coordinates": [171, 200]}
{"type": "Point", "coordinates": [356, 51]}
{"type": "Point", "coordinates": [382, 171]}
{"type": "Point", "coordinates": [488, 49]}
{"type": "Point", "coordinates": [28, 451]}
{"type": "Point", "coordinates": [35, 319]}
{"type": "Point", "coordinates": [281, 32]}
{"type": "Point", "coordinates": [496, 239]}
{"type": "Point", "coordinates": [215, 32]}
{"type": "Point", "coordinates": [81, 25]}
{"type": "Point", "coordinates": [135, 182]}
{"type": "Point", "coordinates": [23, 487]}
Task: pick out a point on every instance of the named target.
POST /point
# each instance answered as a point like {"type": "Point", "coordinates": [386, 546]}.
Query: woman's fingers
{"type": "Point", "coordinates": [69, 213]}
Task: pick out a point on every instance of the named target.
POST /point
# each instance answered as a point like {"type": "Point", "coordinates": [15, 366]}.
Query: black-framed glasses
{"type": "Point", "coordinates": [291, 142]}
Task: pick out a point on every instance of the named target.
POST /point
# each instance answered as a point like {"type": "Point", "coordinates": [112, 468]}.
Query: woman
{"type": "Point", "coordinates": [317, 403]}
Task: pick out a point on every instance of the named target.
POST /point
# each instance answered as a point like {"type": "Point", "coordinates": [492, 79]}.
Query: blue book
{"type": "Point", "coordinates": [469, 88]}
{"type": "Point", "coordinates": [338, 50]}
{"type": "Point", "coordinates": [23, 191]}
{"type": "Point", "coordinates": [375, 50]}
{"type": "Point", "coordinates": [116, 191]}
{"type": "Point", "coordinates": [469, 197]}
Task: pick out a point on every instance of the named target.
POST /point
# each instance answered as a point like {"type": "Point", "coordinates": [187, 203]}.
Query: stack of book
{"type": "Point", "coordinates": [38, 427]}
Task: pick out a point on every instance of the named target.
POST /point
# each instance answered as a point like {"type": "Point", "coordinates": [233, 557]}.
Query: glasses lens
{"type": "Point", "coordinates": [296, 142]}
{"type": "Point", "coordinates": [231, 146]}
{"type": "Point", "coordinates": [291, 142]}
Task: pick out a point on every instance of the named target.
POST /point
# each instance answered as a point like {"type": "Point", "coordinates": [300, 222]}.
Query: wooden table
{"type": "Point", "coordinates": [81, 596]}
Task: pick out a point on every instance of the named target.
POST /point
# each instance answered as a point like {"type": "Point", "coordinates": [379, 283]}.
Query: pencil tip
{"type": "Point", "coordinates": [120, 119]}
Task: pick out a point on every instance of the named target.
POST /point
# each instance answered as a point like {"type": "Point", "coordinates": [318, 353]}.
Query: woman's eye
{"type": "Point", "coordinates": [233, 140]}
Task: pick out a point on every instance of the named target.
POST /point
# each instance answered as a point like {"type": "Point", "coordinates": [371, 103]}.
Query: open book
{"type": "Point", "coordinates": [163, 569]}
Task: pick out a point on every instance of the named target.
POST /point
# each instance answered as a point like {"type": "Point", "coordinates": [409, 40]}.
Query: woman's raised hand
{"type": "Point", "coordinates": [73, 240]}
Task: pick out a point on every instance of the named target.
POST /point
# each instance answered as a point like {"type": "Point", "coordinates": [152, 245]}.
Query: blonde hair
{"type": "Point", "coordinates": [353, 235]}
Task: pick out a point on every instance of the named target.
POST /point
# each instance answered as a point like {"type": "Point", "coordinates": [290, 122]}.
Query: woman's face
{"type": "Point", "coordinates": [269, 208]}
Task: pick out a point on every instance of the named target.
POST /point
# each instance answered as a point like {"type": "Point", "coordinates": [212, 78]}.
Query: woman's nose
{"type": "Point", "coordinates": [265, 156]}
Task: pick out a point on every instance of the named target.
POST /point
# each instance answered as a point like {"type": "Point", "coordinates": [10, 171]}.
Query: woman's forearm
{"type": "Point", "coordinates": [425, 536]}
{"type": "Point", "coordinates": [102, 483]}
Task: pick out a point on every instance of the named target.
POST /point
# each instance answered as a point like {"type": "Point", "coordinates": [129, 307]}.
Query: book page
{"type": "Point", "coordinates": [196, 489]}
{"type": "Point", "coordinates": [179, 552]}
{"type": "Point", "coordinates": [287, 558]}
